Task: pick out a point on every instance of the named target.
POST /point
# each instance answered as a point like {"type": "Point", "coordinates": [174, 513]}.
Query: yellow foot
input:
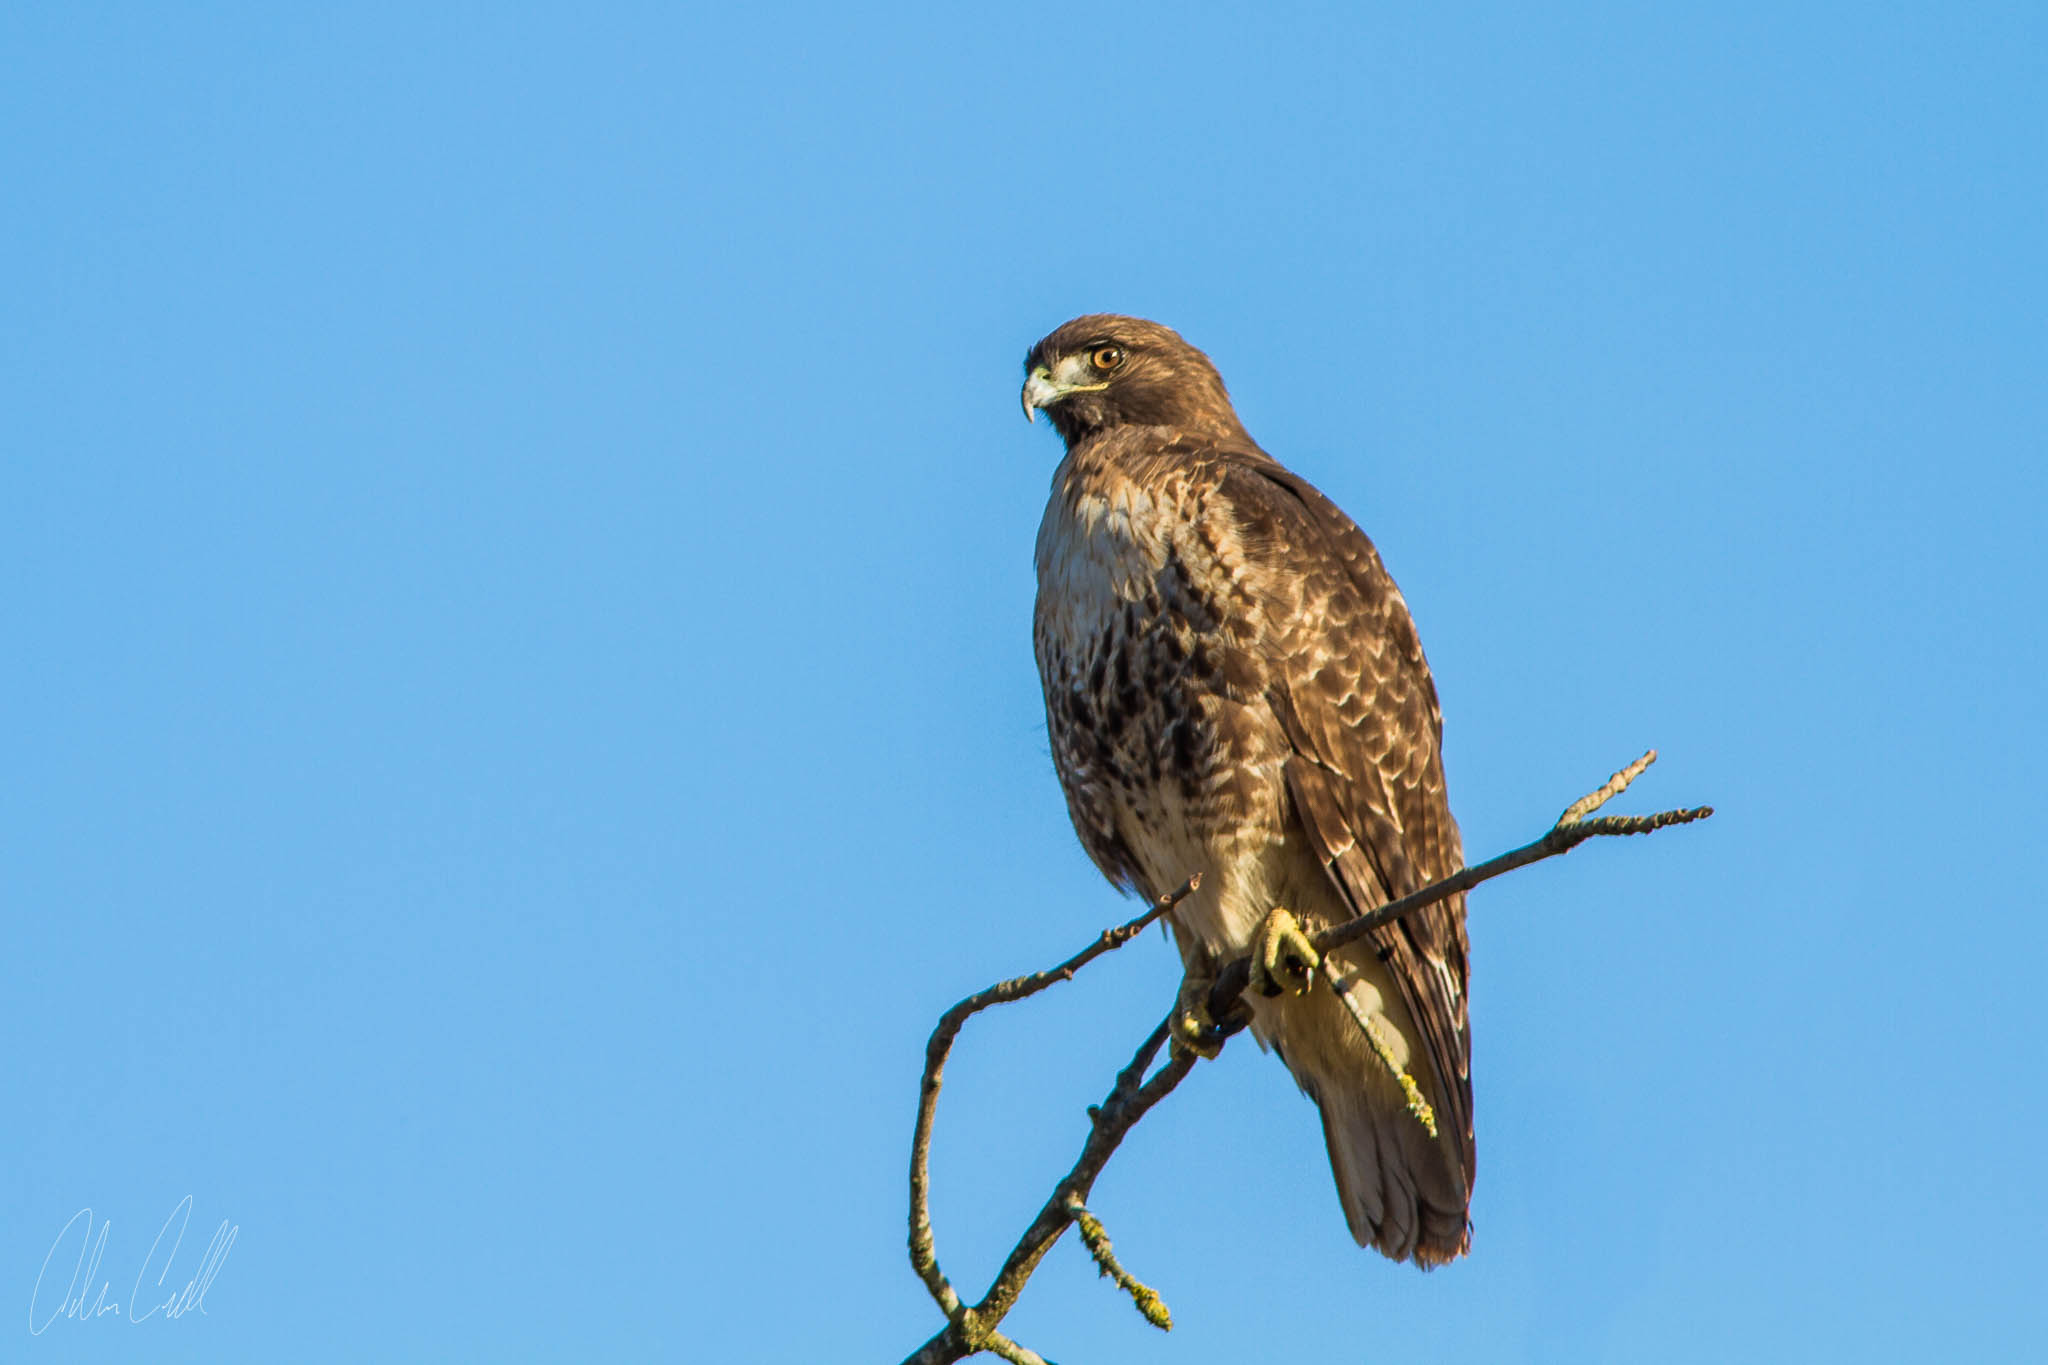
{"type": "Point", "coordinates": [1193, 1030]}
{"type": "Point", "coordinates": [1284, 962]}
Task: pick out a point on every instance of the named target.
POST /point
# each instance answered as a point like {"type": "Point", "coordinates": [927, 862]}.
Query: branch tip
{"type": "Point", "coordinates": [1374, 1027]}
{"type": "Point", "coordinates": [1096, 1238]}
{"type": "Point", "coordinates": [1615, 786]}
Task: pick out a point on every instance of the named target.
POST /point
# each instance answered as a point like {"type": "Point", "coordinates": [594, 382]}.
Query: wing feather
{"type": "Point", "coordinates": [1354, 696]}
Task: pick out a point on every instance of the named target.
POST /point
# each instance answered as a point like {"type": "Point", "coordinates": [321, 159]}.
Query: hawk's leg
{"type": "Point", "coordinates": [1193, 1027]}
{"type": "Point", "coordinates": [1284, 962]}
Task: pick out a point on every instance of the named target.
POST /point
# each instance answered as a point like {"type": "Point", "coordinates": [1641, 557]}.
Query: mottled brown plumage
{"type": "Point", "coordinates": [1233, 687]}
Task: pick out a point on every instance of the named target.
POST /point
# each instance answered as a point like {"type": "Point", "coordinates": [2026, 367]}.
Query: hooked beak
{"type": "Point", "coordinates": [1047, 386]}
{"type": "Point", "coordinates": [1039, 390]}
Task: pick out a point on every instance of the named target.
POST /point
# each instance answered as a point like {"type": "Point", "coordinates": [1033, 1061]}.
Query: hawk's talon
{"type": "Point", "coordinates": [1284, 962]}
{"type": "Point", "coordinates": [1194, 1030]}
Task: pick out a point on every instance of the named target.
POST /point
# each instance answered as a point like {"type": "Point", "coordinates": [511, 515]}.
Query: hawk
{"type": "Point", "coordinates": [1233, 687]}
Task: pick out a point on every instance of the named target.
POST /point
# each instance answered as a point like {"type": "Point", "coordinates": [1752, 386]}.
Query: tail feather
{"type": "Point", "coordinates": [1405, 1192]}
{"type": "Point", "coordinates": [1400, 1195]}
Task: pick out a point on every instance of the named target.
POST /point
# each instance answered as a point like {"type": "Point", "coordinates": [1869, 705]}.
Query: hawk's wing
{"type": "Point", "coordinates": [1354, 696]}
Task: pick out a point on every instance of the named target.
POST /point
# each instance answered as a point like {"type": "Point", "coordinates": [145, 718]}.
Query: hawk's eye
{"type": "Point", "coordinates": [1107, 358]}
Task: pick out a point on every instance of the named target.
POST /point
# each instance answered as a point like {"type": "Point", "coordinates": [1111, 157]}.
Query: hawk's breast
{"type": "Point", "coordinates": [1153, 688]}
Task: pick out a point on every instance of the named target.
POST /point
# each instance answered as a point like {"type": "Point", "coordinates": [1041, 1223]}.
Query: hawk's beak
{"type": "Point", "coordinates": [1039, 390]}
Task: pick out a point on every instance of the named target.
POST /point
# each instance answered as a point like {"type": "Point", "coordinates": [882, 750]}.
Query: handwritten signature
{"type": "Point", "coordinates": [86, 1271]}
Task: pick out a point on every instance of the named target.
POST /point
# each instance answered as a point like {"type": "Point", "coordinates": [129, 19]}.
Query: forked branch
{"type": "Point", "coordinates": [973, 1329]}
{"type": "Point", "coordinates": [924, 1256]}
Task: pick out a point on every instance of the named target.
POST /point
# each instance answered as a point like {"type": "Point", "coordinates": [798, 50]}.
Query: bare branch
{"type": "Point", "coordinates": [998, 1344]}
{"type": "Point", "coordinates": [924, 1257]}
{"type": "Point", "coordinates": [1129, 1100]}
{"type": "Point", "coordinates": [1571, 830]}
{"type": "Point", "coordinates": [1374, 1027]}
{"type": "Point", "coordinates": [1096, 1238]}
{"type": "Point", "coordinates": [1613, 787]}
{"type": "Point", "coordinates": [970, 1330]}
{"type": "Point", "coordinates": [1127, 1103]}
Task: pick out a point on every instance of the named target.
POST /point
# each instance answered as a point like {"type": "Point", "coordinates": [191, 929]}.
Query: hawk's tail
{"type": "Point", "coordinates": [1405, 1192]}
{"type": "Point", "coordinates": [1402, 1192]}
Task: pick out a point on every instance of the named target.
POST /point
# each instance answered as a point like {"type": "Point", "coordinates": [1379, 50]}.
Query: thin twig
{"type": "Point", "coordinates": [1571, 830]}
{"type": "Point", "coordinates": [1374, 1027]}
{"type": "Point", "coordinates": [1096, 1238]}
{"type": "Point", "coordinates": [995, 1343]}
{"type": "Point", "coordinates": [1129, 1100]}
{"type": "Point", "coordinates": [1607, 791]}
{"type": "Point", "coordinates": [924, 1257]}
{"type": "Point", "coordinates": [1124, 1107]}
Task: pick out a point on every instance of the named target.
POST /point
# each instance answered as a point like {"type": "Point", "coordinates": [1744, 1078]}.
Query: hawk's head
{"type": "Point", "coordinates": [1104, 371]}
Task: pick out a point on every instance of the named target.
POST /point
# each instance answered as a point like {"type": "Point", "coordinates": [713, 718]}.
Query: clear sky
{"type": "Point", "coordinates": [515, 579]}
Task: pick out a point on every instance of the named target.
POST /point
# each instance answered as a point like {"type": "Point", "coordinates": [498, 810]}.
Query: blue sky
{"type": "Point", "coordinates": [520, 708]}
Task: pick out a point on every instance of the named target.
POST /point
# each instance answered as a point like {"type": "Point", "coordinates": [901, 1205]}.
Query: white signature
{"type": "Point", "coordinates": [74, 1302]}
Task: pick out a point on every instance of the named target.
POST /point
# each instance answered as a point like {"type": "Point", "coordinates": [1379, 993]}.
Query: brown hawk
{"type": "Point", "coordinates": [1233, 687]}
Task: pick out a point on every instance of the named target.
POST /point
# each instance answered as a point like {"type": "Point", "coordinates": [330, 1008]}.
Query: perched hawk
{"type": "Point", "coordinates": [1233, 687]}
